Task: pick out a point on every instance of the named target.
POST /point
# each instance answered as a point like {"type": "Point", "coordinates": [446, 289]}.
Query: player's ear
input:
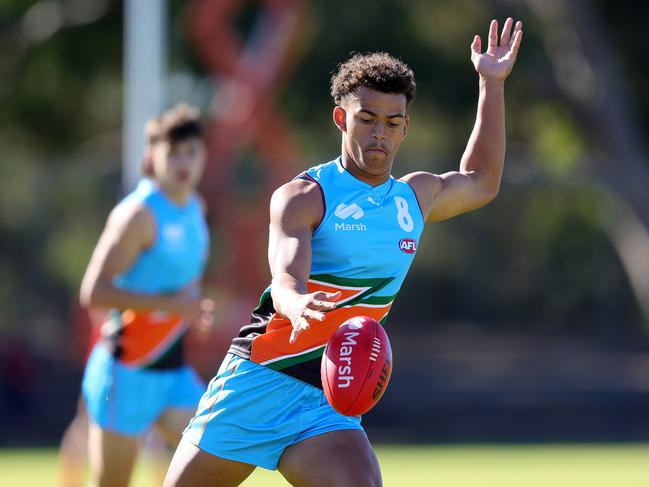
{"type": "Point", "coordinates": [406, 125]}
{"type": "Point", "coordinates": [340, 118]}
{"type": "Point", "coordinates": [147, 163]}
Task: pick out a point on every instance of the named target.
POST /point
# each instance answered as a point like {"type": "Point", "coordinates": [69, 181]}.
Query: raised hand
{"type": "Point", "coordinates": [308, 307]}
{"type": "Point", "coordinates": [497, 62]}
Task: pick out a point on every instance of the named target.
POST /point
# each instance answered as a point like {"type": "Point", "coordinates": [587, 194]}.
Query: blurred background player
{"type": "Point", "coordinates": [335, 247]}
{"type": "Point", "coordinates": [73, 450]}
{"type": "Point", "coordinates": [146, 270]}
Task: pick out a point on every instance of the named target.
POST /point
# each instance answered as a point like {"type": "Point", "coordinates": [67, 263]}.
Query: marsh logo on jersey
{"type": "Point", "coordinates": [408, 245]}
{"type": "Point", "coordinates": [344, 211]}
{"type": "Point", "coordinates": [354, 211]}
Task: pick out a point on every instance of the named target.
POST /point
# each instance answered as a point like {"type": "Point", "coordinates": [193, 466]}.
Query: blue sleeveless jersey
{"type": "Point", "coordinates": [363, 247]}
{"type": "Point", "coordinates": [175, 260]}
{"type": "Point", "coordinates": [367, 232]}
{"type": "Point", "coordinates": [179, 252]}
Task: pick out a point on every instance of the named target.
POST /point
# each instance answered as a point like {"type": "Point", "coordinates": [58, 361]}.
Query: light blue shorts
{"type": "Point", "coordinates": [251, 413]}
{"type": "Point", "coordinates": [129, 400]}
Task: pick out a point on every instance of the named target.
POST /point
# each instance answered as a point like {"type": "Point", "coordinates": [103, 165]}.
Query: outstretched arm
{"type": "Point", "coordinates": [295, 210]}
{"type": "Point", "coordinates": [478, 179]}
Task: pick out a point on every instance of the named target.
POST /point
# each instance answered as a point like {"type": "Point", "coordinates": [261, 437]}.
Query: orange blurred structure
{"type": "Point", "coordinates": [244, 118]}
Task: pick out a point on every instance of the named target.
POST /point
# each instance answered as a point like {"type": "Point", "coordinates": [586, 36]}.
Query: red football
{"type": "Point", "coordinates": [356, 366]}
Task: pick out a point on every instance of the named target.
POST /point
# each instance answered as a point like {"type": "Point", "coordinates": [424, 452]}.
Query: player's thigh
{"type": "Point", "coordinates": [111, 457]}
{"type": "Point", "coordinates": [343, 458]}
{"type": "Point", "coordinates": [192, 467]}
{"type": "Point", "coordinates": [172, 423]}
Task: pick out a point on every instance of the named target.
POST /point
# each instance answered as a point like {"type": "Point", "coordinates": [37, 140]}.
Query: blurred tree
{"type": "Point", "coordinates": [556, 251]}
{"type": "Point", "coordinates": [59, 153]}
{"type": "Point", "coordinates": [590, 83]}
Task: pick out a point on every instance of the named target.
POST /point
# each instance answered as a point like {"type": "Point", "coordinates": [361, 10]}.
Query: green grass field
{"type": "Point", "coordinates": [447, 466]}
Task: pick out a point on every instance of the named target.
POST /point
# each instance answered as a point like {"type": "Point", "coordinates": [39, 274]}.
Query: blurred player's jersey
{"type": "Point", "coordinates": [363, 247]}
{"type": "Point", "coordinates": [176, 259]}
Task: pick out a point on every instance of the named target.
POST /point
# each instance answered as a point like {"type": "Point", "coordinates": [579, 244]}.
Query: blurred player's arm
{"type": "Point", "coordinates": [296, 208]}
{"type": "Point", "coordinates": [130, 230]}
{"type": "Point", "coordinates": [478, 180]}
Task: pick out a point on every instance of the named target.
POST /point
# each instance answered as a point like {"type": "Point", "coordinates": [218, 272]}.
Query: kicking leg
{"type": "Point", "coordinates": [192, 467]}
{"type": "Point", "coordinates": [342, 458]}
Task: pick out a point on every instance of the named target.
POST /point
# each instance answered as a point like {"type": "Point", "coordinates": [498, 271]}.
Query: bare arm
{"type": "Point", "coordinates": [129, 231]}
{"type": "Point", "coordinates": [477, 181]}
{"type": "Point", "coordinates": [295, 210]}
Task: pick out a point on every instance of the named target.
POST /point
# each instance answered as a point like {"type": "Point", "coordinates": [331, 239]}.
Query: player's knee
{"type": "Point", "coordinates": [358, 478]}
{"type": "Point", "coordinates": [366, 480]}
{"type": "Point", "coordinates": [359, 474]}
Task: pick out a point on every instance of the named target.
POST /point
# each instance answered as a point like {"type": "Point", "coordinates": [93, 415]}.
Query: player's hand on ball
{"type": "Point", "coordinates": [497, 62]}
{"type": "Point", "coordinates": [308, 307]}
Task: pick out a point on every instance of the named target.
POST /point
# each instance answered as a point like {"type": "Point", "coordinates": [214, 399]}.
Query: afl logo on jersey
{"type": "Point", "coordinates": [408, 245]}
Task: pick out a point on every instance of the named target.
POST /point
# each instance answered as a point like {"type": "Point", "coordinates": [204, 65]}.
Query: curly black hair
{"type": "Point", "coordinates": [377, 70]}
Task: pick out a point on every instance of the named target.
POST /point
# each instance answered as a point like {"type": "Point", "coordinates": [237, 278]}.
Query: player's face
{"type": "Point", "coordinates": [373, 124]}
{"type": "Point", "coordinates": [179, 166]}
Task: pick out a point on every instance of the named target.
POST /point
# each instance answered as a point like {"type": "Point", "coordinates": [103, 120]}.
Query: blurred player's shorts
{"type": "Point", "coordinates": [129, 400]}
{"type": "Point", "coordinates": [251, 413]}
